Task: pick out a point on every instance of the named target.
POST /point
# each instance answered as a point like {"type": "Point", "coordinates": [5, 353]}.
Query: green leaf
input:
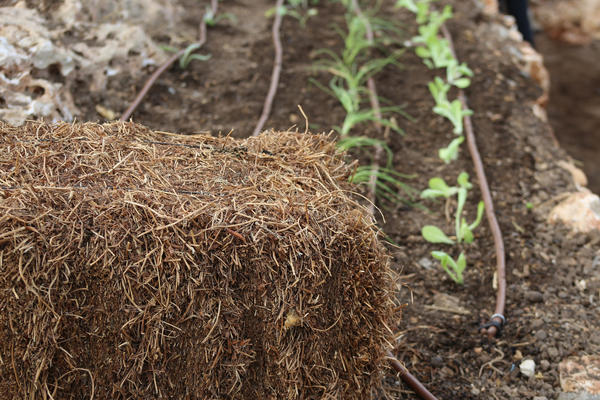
{"type": "Point", "coordinates": [422, 52]}
{"type": "Point", "coordinates": [438, 188]}
{"type": "Point", "coordinates": [463, 180]}
{"type": "Point", "coordinates": [450, 153]}
{"type": "Point", "coordinates": [433, 234]}
{"type": "Point", "coordinates": [454, 269]}
{"type": "Point", "coordinates": [480, 209]}
{"type": "Point", "coordinates": [462, 83]}
{"type": "Point", "coordinates": [408, 4]}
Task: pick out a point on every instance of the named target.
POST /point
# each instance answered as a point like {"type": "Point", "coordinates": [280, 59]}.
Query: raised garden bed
{"type": "Point", "coordinates": [552, 273]}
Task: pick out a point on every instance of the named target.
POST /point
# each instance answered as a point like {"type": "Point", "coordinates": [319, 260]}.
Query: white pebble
{"type": "Point", "coordinates": [527, 368]}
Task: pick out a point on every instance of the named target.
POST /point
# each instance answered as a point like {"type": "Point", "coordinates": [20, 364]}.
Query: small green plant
{"type": "Point", "coordinates": [463, 230]}
{"type": "Point", "coordinates": [387, 182]}
{"type": "Point", "coordinates": [439, 90]}
{"type": "Point", "coordinates": [456, 74]}
{"type": "Point", "coordinates": [453, 268]}
{"type": "Point", "coordinates": [351, 69]}
{"type": "Point", "coordinates": [188, 55]}
{"type": "Point", "coordinates": [453, 112]}
{"type": "Point", "coordinates": [298, 9]}
{"type": "Point", "coordinates": [211, 20]}
{"type": "Point", "coordinates": [450, 153]}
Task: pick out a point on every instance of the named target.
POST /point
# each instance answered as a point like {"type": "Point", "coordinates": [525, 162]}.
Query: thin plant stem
{"type": "Point", "coordinates": [276, 71]}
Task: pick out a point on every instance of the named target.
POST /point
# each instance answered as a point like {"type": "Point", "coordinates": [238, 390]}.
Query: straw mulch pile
{"type": "Point", "coordinates": [136, 264]}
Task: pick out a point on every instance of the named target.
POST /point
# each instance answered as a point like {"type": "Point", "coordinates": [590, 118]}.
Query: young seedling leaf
{"type": "Point", "coordinates": [463, 180]}
{"type": "Point", "coordinates": [462, 83]}
{"type": "Point", "coordinates": [438, 188]}
{"type": "Point", "coordinates": [453, 268]}
{"type": "Point", "coordinates": [450, 153]}
{"type": "Point", "coordinates": [433, 234]}
{"type": "Point", "coordinates": [480, 209]}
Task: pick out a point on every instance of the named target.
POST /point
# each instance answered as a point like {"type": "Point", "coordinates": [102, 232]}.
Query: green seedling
{"type": "Point", "coordinates": [463, 230]}
{"type": "Point", "coordinates": [188, 55]}
{"type": "Point", "coordinates": [439, 90]}
{"type": "Point", "coordinates": [438, 188]}
{"type": "Point", "coordinates": [437, 54]}
{"type": "Point", "coordinates": [408, 4]}
{"type": "Point", "coordinates": [433, 234]}
{"type": "Point", "coordinates": [291, 9]}
{"type": "Point", "coordinates": [350, 76]}
{"type": "Point", "coordinates": [456, 74]}
{"type": "Point", "coordinates": [453, 268]}
{"type": "Point", "coordinates": [387, 184]}
{"type": "Point", "coordinates": [351, 142]}
{"type": "Point", "coordinates": [454, 112]}
{"type": "Point", "coordinates": [450, 153]}
{"type": "Point", "coordinates": [211, 20]}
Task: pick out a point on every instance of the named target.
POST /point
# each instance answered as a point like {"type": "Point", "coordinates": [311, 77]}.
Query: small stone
{"type": "Point", "coordinates": [540, 398]}
{"type": "Point", "coordinates": [537, 323]}
{"type": "Point", "coordinates": [541, 335]}
{"type": "Point", "coordinates": [527, 368]}
{"type": "Point", "coordinates": [426, 263]}
{"type": "Point", "coordinates": [534, 296]}
{"type": "Point", "coordinates": [580, 212]}
{"type": "Point", "coordinates": [437, 361]}
{"type": "Point", "coordinates": [553, 352]}
{"type": "Point", "coordinates": [544, 364]}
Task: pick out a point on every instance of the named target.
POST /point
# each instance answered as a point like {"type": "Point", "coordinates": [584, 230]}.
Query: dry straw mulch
{"type": "Point", "coordinates": [137, 264]}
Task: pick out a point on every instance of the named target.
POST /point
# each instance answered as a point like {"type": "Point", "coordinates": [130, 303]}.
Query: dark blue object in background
{"type": "Point", "coordinates": [519, 10]}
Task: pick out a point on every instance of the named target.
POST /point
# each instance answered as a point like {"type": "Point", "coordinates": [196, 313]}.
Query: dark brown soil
{"type": "Point", "coordinates": [574, 107]}
{"type": "Point", "coordinates": [551, 315]}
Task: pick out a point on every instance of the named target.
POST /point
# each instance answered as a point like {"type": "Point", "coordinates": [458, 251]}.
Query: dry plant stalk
{"type": "Point", "coordinates": [137, 264]}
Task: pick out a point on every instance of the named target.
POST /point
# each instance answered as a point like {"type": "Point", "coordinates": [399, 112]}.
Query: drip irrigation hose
{"type": "Point", "coordinates": [410, 379]}
{"type": "Point", "coordinates": [497, 320]}
{"type": "Point", "coordinates": [276, 70]}
{"type": "Point", "coordinates": [150, 82]}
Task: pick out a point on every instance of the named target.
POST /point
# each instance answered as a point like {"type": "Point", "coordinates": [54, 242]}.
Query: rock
{"type": "Point", "coordinates": [581, 374]}
{"type": "Point", "coordinates": [580, 212]}
{"type": "Point", "coordinates": [572, 21]}
{"type": "Point", "coordinates": [553, 352]}
{"type": "Point", "coordinates": [541, 335]}
{"type": "Point", "coordinates": [578, 396]}
{"type": "Point", "coordinates": [527, 368]}
{"type": "Point", "coordinates": [437, 361]}
{"type": "Point", "coordinates": [534, 296]}
{"type": "Point", "coordinates": [426, 263]}
{"type": "Point", "coordinates": [544, 364]}
{"type": "Point", "coordinates": [540, 398]}
{"type": "Point", "coordinates": [447, 303]}
{"type": "Point", "coordinates": [537, 323]}
{"type": "Point", "coordinates": [490, 7]}
{"type": "Point", "coordinates": [577, 174]}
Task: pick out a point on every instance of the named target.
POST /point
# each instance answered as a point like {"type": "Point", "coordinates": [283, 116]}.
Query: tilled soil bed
{"type": "Point", "coordinates": [553, 274]}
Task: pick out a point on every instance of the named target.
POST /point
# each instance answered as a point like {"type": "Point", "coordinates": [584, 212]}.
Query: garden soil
{"type": "Point", "coordinates": [553, 275]}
